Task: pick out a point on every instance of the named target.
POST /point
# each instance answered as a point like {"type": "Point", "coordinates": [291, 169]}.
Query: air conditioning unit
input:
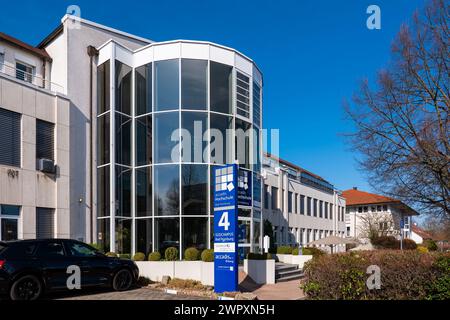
{"type": "Point", "coordinates": [46, 165]}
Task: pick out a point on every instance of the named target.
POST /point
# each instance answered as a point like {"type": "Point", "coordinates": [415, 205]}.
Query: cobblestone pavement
{"type": "Point", "coordinates": [134, 294]}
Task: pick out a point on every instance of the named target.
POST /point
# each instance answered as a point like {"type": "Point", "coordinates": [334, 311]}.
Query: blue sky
{"type": "Point", "coordinates": [312, 54]}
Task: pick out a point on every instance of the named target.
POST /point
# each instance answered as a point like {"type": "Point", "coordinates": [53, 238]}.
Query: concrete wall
{"type": "Point", "coordinates": [27, 187]}
{"type": "Point", "coordinates": [261, 271]}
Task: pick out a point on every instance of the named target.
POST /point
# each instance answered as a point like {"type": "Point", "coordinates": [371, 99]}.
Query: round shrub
{"type": "Point", "coordinates": [409, 244]}
{"type": "Point", "coordinates": [208, 255]}
{"type": "Point", "coordinates": [154, 256]}
{"type": "Point", "coordinates": [111, 254]}
{"type": "Point", "coordinates": [139, 256]}
{"type": "Point", "coordinates": [191, 254]}
{"type": "Point", "coordinates": [171, 254]}
{"type": "Point", "coordinates": [124, 256]}
{"type": "Point", "coordinates": [312, 252]}
{"type": "Point", "coordinates": [422, 249]}
{"type": "Point", "coordinates": [386, 242]}
{"type": "Point", "coordinates": [431, 245]}
{"type": "Point", "coordinates": [295, 252]}
{"type": "Point", "coordinates": [284, 250]}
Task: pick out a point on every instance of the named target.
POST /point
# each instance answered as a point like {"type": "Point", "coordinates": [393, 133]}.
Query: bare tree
{"type": "Point", "coordinates": [375, 224]}
{"type": "Point", "coordinates": [403, 125]}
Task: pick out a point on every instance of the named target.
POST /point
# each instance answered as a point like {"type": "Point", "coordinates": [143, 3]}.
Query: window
{"type": "Point", "coordinates": [193, 84]}
{"type": "Point", "coordinates": [302, 204]}
{"type": "Point", "coordinates": [103, 143]}
{"type": "Point", "coordinates": [348, 231]}
{"type": "Point", "coordinates": [51, 249]}
{"type": "Point", "coordinates": [45, 223]}
{"type": "Point", "coordinates": [167, 234]}
{"type": "Point", "coordinates": [165, 125]}
{"type": "Point", "coordinates": [331, 211]}
{"type": "Point", "coordinates": [123, 238]}
{"type": "Point", "coordinates": [242, 95]}
{"type": "Point", "coordinates": [194, 233]}
{"type": "Point", "coordinates": [321, 209]}
{"type": "Point", "coordinates": [244, 135]}
{"type": "Point", "coordinates": [166, 85]}
{"type": "Point", "coordinates": [45, 140]}
{"type": "Point", "coordinates": [143, 140]}
{"type": "Point", "coordinates": [2, 61]}
{"type": "Point", "coordinates": [103, 234]}
{"type": "Point", "coordinates": [10, 138]}
{"type": "Point", "coordinates": [274, 198]}
{"type": "Point", "coordinates": [385, 207]}
{"type": "Point", "coordinates": [167, 190]}
{"type": "Point", "coordinates": [9, 216]}
{"type": "Point", "coordinates": [144, 192]}
{"type": "Point", "coordinates": [366, 209]}
{"type": "Point", "coordinates": [144, 240]}
{"type": "Point", "coordinates": [308, 206]}
{"type": "Point", "coordinates": [379, 208]}
{"type": "Point", "coordinates": [289, 201]}
{"type": "Point", "coordinates": [221, 138]}
{"type": "Point", "coordinates": [256, 105]}
{"type": "Point", "coordinates": [123, 191]}
{"type": "Point", "coordinates": [220, 88]}
{"type": "Point", "coordinates": [326, 210]}
{"type": "Point", "coordinates": [296, 203]}
{"type": "Point", "coordinates": [123, 88]}
{"type": "Point", "coordinates": [78, 249]}
{"type": "Point", "coordinates": [143, 89]}
{"type": "Point", "coordinates": [266, 196]}
{"type": "Point", "coordinates": [103, 88]}
{"type": "Point", "coordinates": [315, 208]}
{"type": "Point", "coordinates": [194, 182]}
{"type": "Point", "coordinates": [24, 72]}
{"type": "Point", "coordinates": [360, 210]}
{"type": "Point", "coordinates": [103, 191]}
{"type": "Point", "coordinates": [123, 139]}
{"type": "Point", "coordinates": [196, 123]}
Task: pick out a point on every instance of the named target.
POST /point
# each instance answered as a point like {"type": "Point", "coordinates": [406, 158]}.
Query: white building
{"type": "Point", "coordinates": [301, 206]}
{"type": "Point", "coordinates": [367, 210]}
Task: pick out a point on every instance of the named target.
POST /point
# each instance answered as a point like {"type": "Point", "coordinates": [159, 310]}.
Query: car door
{"type": "Point", "coordinates": [95, 266]}
{"type": "Point", "coordinates": [54, 263]}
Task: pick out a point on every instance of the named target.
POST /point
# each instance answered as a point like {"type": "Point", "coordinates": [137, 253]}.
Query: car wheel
{"type": "Point", "coordinates": [26, 288]}
{"type": "Point", "coordinates": [122, 280]}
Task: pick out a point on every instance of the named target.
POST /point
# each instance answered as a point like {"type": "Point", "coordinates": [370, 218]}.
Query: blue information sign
{"type": "Point", "coordinates": [225, 229]}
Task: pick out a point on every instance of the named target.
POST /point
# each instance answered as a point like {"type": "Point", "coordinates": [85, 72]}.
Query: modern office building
{"type": "Point", "coordinates": [130, 180]}
{"type": "Point", "coordinates": [364, 209]}
{"type": "Point", "coordinates": [301, 206]}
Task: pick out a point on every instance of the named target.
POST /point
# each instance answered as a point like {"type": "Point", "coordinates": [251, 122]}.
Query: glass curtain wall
{"type": "Point", "coordinates": [159, 177]}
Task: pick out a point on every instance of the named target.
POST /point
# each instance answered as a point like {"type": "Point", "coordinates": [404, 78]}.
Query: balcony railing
{"type": "Point", "coordinates": [30, 78]}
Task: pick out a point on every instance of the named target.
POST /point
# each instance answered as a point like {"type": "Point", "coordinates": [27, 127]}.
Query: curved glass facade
{"type": "Point", "coordinates": [161, 127]}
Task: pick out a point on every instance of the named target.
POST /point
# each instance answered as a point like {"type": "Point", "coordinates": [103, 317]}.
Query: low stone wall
{"type": "Point", "coordinates": [299, 260]}
{"type": "Point", "coordinates": [261, 271]}
{"type": "Point", "coordinates": [187, 270]}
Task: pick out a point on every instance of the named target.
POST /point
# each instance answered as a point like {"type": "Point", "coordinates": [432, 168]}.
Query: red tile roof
{"type": "Point", "coordinates": [422, 233]}
{"type": "Point", "coordinates": [16, 42]}
{"type": "Point", "coordinates": [357, 197]}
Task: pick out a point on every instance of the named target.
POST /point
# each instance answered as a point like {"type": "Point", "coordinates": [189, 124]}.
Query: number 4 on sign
{"type": "Point", "coordinates": [223, 222]}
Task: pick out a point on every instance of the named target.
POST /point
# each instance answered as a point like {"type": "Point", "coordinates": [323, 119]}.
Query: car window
{"type": "Point", "coordinates": [20, 250]}
{"type": "Point", "coordinates": [51, 249]}
{"type": "Point", "coordinates": [81, 250]}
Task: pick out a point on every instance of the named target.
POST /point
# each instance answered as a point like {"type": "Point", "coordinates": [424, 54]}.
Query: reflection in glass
{"type": "Point", "coordinates": [143, 89]}
{"type": "Point", "coordinates": [165, 126]}
{"type": "Point", "coordinates": [123, 139]}
{"type": "Point", "coordinates": [123, 88]}
{"type": "Point", "coordinates": [123, 236]}
{"type": "Point", "coordinates": [166, 85]}
{"type": "Point", "coordinates": [103, 88]}
{"type": "Point", "coordinates": [256, 232]}
{"type": "Point", "coordinates": [196, 124]}
{"type": "Point", "coordinates": [243, 136]}
{"type": "Point", "coordinates": [193, 84]}
{"type": "Point", "coordinates": [123, 191]}
{"type": "Point", "coordinates": [144, 241]}
{"type": "Point", "coordinates": [167, 234]}
{"type": "Point", "coordinates": [9, 229]}
{"type": "Point", "coordinates": [103, 143]}
{"type": "Point", "coordinates": [143, 140]}
{"type": "Point", "coordinates": [194, 233]}
{"type": "Point", "coordinates": [103, 234]}
{"type": "Point", "coordinates": [103, 191]}
{"type": "Point", "coordinates": [221, 140]}
{"type": "Point", "coordinates": [244, 231]}
{"type": "Point", "coordinates": [144, 192]}
{"type": "Point", "coordinates": [220, 87]}
{"type": "Point", "coordinates": [167, 190]}
{"type": "Point", "coordinates": [194, 189]}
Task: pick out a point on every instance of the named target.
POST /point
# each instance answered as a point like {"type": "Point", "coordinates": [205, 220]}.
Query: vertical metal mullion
{"type": "Point", "coordinates": [208, 159]}
{"type": "Point", "coordinates": [133, 161]}
{"type": "Point", "coordinates": [153, 153]}
{"type": "Point", "coordinates": [179, 160]}
{"type": "Point", "coordinates": [112, 180]}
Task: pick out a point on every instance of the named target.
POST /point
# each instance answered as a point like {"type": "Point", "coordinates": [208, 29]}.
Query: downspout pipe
{"type": "Point", "coordinates": [92, 53]}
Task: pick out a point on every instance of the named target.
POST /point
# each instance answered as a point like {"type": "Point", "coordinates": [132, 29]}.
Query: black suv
{"type": "Point", "coordinates": [28, 268]}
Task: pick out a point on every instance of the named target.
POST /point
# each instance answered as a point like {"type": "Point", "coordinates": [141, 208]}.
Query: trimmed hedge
{"type": "Point", "coordinates": [390, 242]}
{"type": "Point", "coordinates": [111, 254]}
{"type": "Point", "coordinates": [191, 254]}
{"type": "Point", "coordinates": [284, 250]}
{"type": "Point", "coordinates": [259, 256]}
{"type": "Point", "coordinates": [405, 275]}
{"type": "Point", "coordinates": [171, 254]}
{"type": "Point", "coordinates": [208, 255]}
{"type": "Point", "coordinates": [315, 252]}
{"type": "Point", "coordinates": [154, 256]}
{"type": "Point", "coordinates": [139, 256]}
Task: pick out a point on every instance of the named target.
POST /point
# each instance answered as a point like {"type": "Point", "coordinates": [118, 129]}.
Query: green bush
{"type": "Point", "coordinates": [208, 255]}
{"type": "Point", "coordinates": [431, 245]}
{"type": "Point", "coordinates": [284, 250]}
{"type": "Point", "coordinates": [96, 246]}
{"type": "Point", "coordinates": [171, 254]}
{"type": "Point", "coordinates": [191, 254]}
{"type": "Point", "coordinates": [390, 242]}
{"type": "Point", "coordinates": [405, 275]}
{"type": "Point", "coordinates": [154, 256]}
{"type": "Point", "coordinates": [124, 256]}
{"type": "Point", "coordinates": [259, 256]}
{"type": "Point", "coordinates": [422, 249]}
{"type": "Point", "coordinates": [312, 252]}
{"type": "Point", "coordinates": [139, 256]}
{"type": "Point", "coordinates": [295, 252]}
{"type": "Point", "coordinates": [409, 244]}
{"type": "Point", "coordinates": [111, 254]}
